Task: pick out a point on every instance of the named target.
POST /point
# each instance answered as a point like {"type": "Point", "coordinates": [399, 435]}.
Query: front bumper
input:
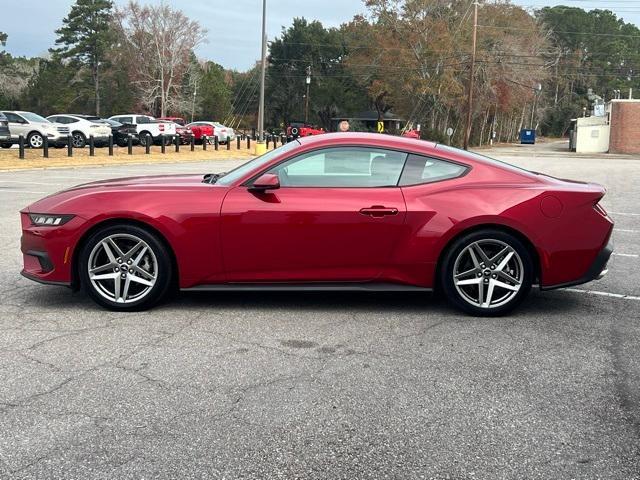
{"type": "Point", "coordinates": [596, 271]}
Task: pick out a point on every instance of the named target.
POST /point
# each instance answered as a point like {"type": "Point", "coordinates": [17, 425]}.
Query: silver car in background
{"type": "Point", "coordinates": [5, 135]}
{"type": "Point", "coordinates": [35, 129]}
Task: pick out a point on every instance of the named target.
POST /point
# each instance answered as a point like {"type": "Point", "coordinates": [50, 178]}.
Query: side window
{"type": "Point", "coordinates": [342, 167]}
{"type": "Point", "coordinates": [124, 119]}
{"type": "Point", "coordinates": [420, 169]}
{"type": "Point", "coordinates": [143, 119]}
{"type": "Point", "coordinates": [12, 117]}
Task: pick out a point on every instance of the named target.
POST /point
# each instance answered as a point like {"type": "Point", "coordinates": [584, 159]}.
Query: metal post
{"type": "Point", "coordinates": [193, 142]}
{"type": "Point", "coordinates": [111, 145]}
{"type": "Point", "coordinates": [21, 146]}
{"type": "Point", "coordinates": [163, 144]}
{"type": "Point", "coordinates": [177, 143]}
{"type": "Point", "coordinates": [467, 132]}
{"type": "Point", "coordinates": [306, 98]}
{"type": "Point", "coordinates": [248, 142]}
{"type": "Point", "coordinates": [215, 143]}
{"type": "Point", "coordinates": [263, 72]}
{"type": "Point", "coordinates": [147, 148]}
{"type": "Point", "coordinates": [228, 143]}
{"type": "Point", "coordinates": [238, 141]}
{"type": "Point", "coordinates": [70, 146]}
{"type": "Point", "coordinates": [275, 141]}
{"type": "Point", "coordinates": [92, 146]}
{"type": "Point", "coordinates": [130, 145]}
{"type": "Point", "coordinates": [204, 142]}
{"type": "Point", "coordinates": [45, 147]}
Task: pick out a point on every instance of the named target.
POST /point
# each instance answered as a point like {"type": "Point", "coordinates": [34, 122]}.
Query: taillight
{"type": "Point", "coordinates": [161, 127]}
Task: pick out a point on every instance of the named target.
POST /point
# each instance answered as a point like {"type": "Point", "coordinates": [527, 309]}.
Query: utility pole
{"type": "Point", "coordinates": [260, 148]}
{"type": "Point", "coordinates": [467, 132]}
{"type": "Point", "coordinates": [306, 98]}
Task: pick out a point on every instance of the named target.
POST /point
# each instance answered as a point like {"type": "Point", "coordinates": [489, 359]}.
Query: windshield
{"type": "Point", "coordinates": [32, 117]}
{"type": "Point", "coordinates": [256, 163]}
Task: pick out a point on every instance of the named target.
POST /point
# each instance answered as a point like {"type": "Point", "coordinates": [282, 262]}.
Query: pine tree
{"type": "Point", "coordinates": [86, 36]}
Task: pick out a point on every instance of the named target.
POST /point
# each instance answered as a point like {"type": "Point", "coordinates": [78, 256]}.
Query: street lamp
{"type": "Point", "coordinates": [306, 101]}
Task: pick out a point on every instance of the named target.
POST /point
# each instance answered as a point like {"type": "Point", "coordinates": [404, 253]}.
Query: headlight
{"type": "Point", "coordinates": [43, 220]}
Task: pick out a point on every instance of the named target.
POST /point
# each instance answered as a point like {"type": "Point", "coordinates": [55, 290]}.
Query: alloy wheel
{"type": "Point", "coordinates": [488, 273]}
{"type": "Point", "coordinates": [78, 140]}
{"type": "Point", "coordinates": [36, 141]}
{"type": "Point", "coordinates": [122, 268]}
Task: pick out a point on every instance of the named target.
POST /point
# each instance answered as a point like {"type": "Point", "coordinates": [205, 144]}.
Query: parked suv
{"type": "Point", "coordinates": [82, 128]}
{"type": "Point", "coordinates": [35, 128]}
{"type": "Point", "coordinates": [5, 135]}
{"type": "Point", "coordinates": [149, 129]}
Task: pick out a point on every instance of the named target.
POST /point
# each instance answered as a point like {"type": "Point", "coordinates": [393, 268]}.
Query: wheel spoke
{"type": "Point", "coordinates": [105, 276]}
{"type": "Point", "coordinates": [141, 280]}
{"type": "Point", "coordinates": [138, 259]}
{"type": "Point", "coordinates": [499, 254]}
{"type": "Point", "coordinates": [473, 271]}
{"type": "Point", "coordinates": [478, 250]}
{"type": "Point", "coordinates": [505, 260]}
{"type": "Point", "coordinates": [506, 286]}
{"type": "Point", "coordinates": [115, 247]}
{"type": "Point", "coordinates": [480, 293]}
{"type": "Point", "coordinates": [143, 272]}
{"type": "Point", "coordinates": [117, 284]}
{"type": "Point", "coordinates": [487, 301]}
{"type": "Point", "coordinates": [508, 277]}
{"type": "Point", "coordinates": [469, 281]}
{"type": "Point", "coordinates": [129, 254]}
{"type": "Point", "coordinates": [102, 268]}
{"type": "Point", "coordinates": [107, 250]}
{"type": "Point", "coordinates": [125, 290]}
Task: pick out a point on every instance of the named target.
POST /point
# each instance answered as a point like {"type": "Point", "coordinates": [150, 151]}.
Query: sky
{"type": "Point", "coordinates": [233, 27]}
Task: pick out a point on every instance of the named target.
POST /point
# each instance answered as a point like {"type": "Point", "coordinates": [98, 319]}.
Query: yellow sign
{"type": "Point", "coordinates": [380, 127]}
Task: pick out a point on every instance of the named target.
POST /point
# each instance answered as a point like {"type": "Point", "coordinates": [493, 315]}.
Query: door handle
{"type": "Point", "coordinates": [378, 211]}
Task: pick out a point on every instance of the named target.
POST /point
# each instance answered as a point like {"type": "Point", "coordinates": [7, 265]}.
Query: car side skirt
{"type": "Point", "coordinates": [308, 287]}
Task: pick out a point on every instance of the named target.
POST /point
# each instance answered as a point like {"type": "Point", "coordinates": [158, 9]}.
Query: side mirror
{"type": "Point", "coordinates": [267, 181]}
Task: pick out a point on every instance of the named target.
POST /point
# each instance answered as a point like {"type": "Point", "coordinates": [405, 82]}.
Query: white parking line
{"type": "Point", "coordinates": [625, 214]}
{"type": "Point", "coordinates": [625, 230]}
{"type": "Point", "coordinates": [603, 294]}
{"type": "Point", "coordinates": [630, 255]}
{"type": "Point", "coordinates": [7, 190]}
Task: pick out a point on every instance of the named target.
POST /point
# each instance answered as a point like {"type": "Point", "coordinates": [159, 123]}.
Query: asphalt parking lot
{"type": "Point", "coordinates": [324, 386]}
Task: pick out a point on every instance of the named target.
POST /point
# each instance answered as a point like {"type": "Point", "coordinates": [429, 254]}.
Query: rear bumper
{"type": "Point", "coordinates": [596, 271]}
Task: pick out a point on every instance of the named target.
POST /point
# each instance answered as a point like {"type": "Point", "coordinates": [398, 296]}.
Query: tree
{"type": "Point", "coordinates": [85, 38]}
{"type": "Point", "coordinates": [332, 90]}
{"type": "Point", "coordinates": [157, 43]}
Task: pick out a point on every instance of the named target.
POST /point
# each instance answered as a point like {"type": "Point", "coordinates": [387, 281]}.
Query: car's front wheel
{"type": "Point", "coordinates": [487, 272]}
{"type": "Point", "coordinates": [125, 267]}
{"type": "Point", "coordinates": [35, 140]}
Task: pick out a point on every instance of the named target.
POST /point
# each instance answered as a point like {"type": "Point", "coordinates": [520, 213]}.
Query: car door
{"type": "Point", "coordinates": [17, 125]}
{"type": "Point", "coordinates": [336, 217]}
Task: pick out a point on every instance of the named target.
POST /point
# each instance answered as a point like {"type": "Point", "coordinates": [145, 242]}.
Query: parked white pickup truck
{"type": "Point", "coordinates": [149, 129]}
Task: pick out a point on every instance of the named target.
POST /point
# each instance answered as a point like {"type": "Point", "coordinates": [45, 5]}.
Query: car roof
{"type": "Point", "coordinates": [373, 139]}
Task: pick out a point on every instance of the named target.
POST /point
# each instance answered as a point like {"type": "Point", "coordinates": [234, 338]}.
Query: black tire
{"type": "Point", "coordinates": [146, 138]}
{"type": "Point", "coordinates": [163, 269]}
{"type": "Point", "coordinates": [6, 145]}
{"type": "Point", "coordinates": [521, 256]}
{"type": "Point", "coordinates": [78, 139]}
{"type": "Point", "coordinates": [35, 140]}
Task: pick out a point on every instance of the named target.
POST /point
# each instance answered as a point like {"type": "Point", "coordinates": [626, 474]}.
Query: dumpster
{"type": "Point", "coordinates": [527, 136]}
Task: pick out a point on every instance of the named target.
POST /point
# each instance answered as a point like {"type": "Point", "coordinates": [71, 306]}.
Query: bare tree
{"type": "Point", "coordinates": [156, 43]}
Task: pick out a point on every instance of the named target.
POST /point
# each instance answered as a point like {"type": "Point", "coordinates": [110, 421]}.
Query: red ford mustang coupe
{"type": "Point", "coordinates": [344, 211]}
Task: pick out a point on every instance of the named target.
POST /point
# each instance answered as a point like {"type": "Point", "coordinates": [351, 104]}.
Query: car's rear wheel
{"type": "Point", "coordinates": [146, 139]}
{"type": "Point", "coordinates": [125, 267]}
{"type": "Point", "coordinates": [487, 272]}
{"type": "Point", "coordinates": [6, 145]}
{"type": "Point", "coordinates": [78, 140]}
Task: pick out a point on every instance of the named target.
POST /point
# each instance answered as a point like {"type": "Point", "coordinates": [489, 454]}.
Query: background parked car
{"type": "Point", "coordinates": [120, 131]}
{"type": "Point", "coordinates": [35, 128]}
{"type": "Point", "coordinates": [149, 129]}
{"type": "Point", "coordinates": [5, 134]}
{"type": "Point", "coordinates": [212, 129]}
{"type": "Point", "coordinates": [299, 129]}
{"type": "Point", "coordinates": [178, 120]}
{"type": "Point", "coordinates": [82, 129]}
{"type": "Point", "coordinates": [185, 133]}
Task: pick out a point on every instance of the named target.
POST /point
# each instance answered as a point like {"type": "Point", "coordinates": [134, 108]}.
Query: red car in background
{"type": "Point", "coordinates": [298, 129]}
{"type": "Point", "coordinates": [182, 131]}
{"type": "Point", "coordinates": [211, 130]}
{"type": "Point", "coordinates": [343, 211]}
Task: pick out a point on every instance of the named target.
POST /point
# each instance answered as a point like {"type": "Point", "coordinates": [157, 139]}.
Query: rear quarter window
{"type": "Point", "coordinates": [420, 169]}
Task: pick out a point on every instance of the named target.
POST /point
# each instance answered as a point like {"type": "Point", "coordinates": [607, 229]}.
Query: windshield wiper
{"type": "Point", "coordinates": [213, 177]}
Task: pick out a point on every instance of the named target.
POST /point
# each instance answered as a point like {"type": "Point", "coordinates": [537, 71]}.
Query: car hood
{"type": "Point", "coordinates": [117, 188]}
